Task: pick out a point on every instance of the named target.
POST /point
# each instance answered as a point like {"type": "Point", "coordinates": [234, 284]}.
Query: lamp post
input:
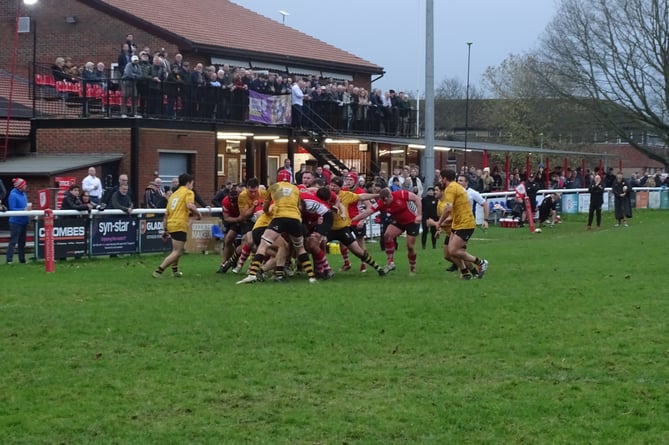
{"type": "Point", "coordinates": [13, 72]}
{"type": "Point", "coordinates": [469, 53]}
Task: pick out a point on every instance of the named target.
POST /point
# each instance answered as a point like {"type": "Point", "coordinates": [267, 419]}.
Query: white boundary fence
{"type": "Point", "coordinates": [111, 232]}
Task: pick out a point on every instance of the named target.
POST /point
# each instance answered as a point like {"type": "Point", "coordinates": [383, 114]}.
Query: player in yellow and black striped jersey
{"type": "Point", "coordinates": [458, 209]}
{"type": "Point", "coordinates": [287, 219]}
{"type": "Point", "coordinates": [180, 206]}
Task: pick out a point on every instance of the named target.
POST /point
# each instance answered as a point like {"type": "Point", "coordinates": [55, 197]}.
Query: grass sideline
{"type": "Point", "coordinates": [564, 341]}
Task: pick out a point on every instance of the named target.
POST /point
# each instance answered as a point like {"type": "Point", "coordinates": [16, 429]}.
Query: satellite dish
{"type": "Point", "coordinates": [283, 16]}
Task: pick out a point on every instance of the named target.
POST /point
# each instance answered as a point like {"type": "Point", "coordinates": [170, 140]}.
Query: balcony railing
{"type": "Point", "coordinates": [80, 98]}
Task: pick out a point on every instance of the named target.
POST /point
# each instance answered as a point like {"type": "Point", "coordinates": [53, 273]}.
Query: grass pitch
{"type": "Point", "coordinates": [564, 341]}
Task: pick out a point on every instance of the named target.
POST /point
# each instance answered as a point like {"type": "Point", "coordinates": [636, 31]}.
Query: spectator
{"type": "Point", "coordinates": [621, 200]}
{"type": "Point", "coordinates": [143, 83]}
{"type": "Point", "coordinates": [93, 186]}
{"type": "Point", "coordinates": [156, 78]}
{"type": "Point", "coordinates": [221, 194]}
{"type": "Point", "coordinates": [86, 199]}
{"type": "Point", "coordinates": [18, 225]}
{"type": "Point", "coordinates": [297, 103]}
{"type": "Point", "coordinates": [70, 69]}
{"type": "Point", "coordinates": [429, 203]}
{"type": "Point", "coordinates": [121, 199]}
{"type": "Point", "coordinates": [298, 175]}
{"type": "Point", "coordinates": [124, 58]}
{"type": "Point", "coordinates": [130, 41]}
{"type": "Point", "coordinates": [72, 201]}
{"type": "Point", "coordinates": [58, 71]}
{"type": "Point", "coordinates": [415, 182]}
{"type": "Point", "coordinates": [150, 196]}
{"type": "Point", "coordinates": [596, 191]}
{"type": "Point", "coordinates": [475, 199]}
{"type": "Point", "coordinates": [174, 87]}
{"type": "Point", "coordinates": [101, 76]}
{"type": "Point", "coordinates": [131, 76]}
{"type": "Point", "coordinates": [161, 199]}
{"type": "Point", "coordinates": [287, 166]}
{"type": "Point", "coordinates": [609, 179]}
{"type": "Point", "coordinates": [109, 193]}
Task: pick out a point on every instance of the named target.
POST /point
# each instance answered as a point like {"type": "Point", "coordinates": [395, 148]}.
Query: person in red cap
{"type": "Point", "coordinates": [18, 225]}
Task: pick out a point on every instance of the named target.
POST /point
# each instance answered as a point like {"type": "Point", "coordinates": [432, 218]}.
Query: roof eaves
{"type": "Point", "coordinates": [288, 60]}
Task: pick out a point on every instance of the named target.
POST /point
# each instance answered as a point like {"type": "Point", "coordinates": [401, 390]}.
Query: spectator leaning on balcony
{"type": "Point", "coordinates": [156, 79]}
{"type": "Point", "coordinates": [143, 82]}
{"type": "Point", "coordinates": [131, 75]}
{"type": "Point", "coordinates": [297, 103]}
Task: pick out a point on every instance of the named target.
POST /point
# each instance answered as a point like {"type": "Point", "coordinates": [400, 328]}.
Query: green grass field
{"type": "Point", "coordinates": [563, 342]}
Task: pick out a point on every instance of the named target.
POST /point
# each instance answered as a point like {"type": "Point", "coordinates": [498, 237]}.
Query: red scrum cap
{"type": "Point", "coordinates": [283, 176]}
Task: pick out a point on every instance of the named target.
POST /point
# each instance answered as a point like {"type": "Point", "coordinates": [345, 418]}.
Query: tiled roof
{"type": "Point", "coordinates": [223, 24]}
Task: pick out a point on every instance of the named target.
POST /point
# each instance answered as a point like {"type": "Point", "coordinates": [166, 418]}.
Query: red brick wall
{"type": "Point", "coordinates": [151, 142]}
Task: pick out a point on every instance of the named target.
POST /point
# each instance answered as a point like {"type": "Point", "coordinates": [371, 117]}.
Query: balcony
{"type": "Point", "coordinates": [77, 98]}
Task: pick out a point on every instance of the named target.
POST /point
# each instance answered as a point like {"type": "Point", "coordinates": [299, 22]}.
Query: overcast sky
{"type": "Point", "coordinates": [391, 33]}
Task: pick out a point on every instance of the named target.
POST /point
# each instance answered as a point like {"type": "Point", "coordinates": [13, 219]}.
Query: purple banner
{"type": "Point", "coordinates": [269, 109]}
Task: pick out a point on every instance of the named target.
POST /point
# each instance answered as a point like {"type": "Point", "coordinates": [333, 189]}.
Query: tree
{"type": "Point", "coordinates": [453, 88]}
{"type": "Point", "coordinates": [612, 56]}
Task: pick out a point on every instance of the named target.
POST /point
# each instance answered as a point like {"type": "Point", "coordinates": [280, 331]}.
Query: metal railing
{"type": "Point", "coordinates": [110, 97]}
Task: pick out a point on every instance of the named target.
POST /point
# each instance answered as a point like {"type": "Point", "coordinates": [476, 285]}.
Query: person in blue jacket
{"type": "Point", "coordinates": [18, 225]}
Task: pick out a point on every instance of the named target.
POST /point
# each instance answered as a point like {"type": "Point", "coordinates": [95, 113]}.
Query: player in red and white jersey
{"type": "Point", "coordinates": [405, 209]}
{"type": "Point", "coordinates": [307, 180]}
{"type": "Point", "coordinates": [231, 225]}
{"type": "Point", "coordinates": [317, 217]}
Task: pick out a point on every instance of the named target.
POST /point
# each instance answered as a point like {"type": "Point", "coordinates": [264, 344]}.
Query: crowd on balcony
{"type": "Point", "coordinates": [149, 83]}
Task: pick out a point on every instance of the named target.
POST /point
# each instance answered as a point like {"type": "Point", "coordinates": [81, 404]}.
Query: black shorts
{"type": "Point", "coordinates": [245, 227]}
{"type": "Point", "coordinates": [344, 236]}
{"type": "Point", "coordinates": [465, 234]}
{"type": "Point", "coordinates": [228, 226]}
{"type": "Point", "coordinates": [324, 227]}
{"type": "Point", "coordinates": [412, 229]}
{"type": "Point", "coordinates": [179, 236]}
{"type": "Point", "coordinates": [446, 238]}
{"type": "Point", "coordinates": [257, 235]}
{"type": "Point", "coordinates": [291, 226]}
{"type": "Point", "coordinates": [360, 230]}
